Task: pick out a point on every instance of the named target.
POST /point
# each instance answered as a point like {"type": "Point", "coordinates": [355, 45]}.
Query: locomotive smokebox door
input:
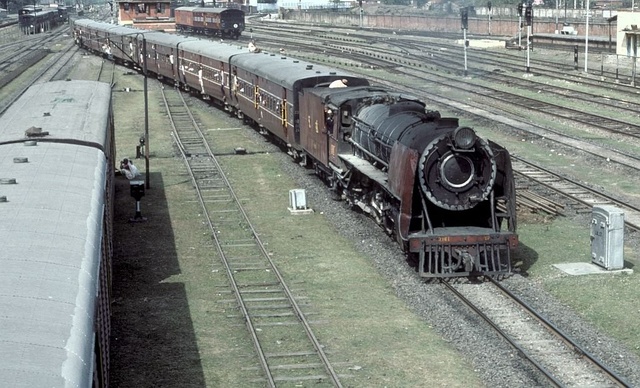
{"type": "Point", "coordinates": [607, 237]}
{"type": "Point", "coordinates": [137, 189]}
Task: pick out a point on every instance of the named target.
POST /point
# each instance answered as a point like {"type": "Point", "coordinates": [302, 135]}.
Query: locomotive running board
{"type": "Point", "coordinates": [367, 169]}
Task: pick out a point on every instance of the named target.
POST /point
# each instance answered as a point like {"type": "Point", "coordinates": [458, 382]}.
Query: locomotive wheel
{"type": "Point", "coordinates": [335, 189]}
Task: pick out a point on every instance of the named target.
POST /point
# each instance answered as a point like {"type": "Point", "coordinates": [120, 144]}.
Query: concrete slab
{"type": "Point", "coordinates": [482, 43]}
{"type": "Point", "coordinates": [588, 269]}
{"type": "Point", "coordinates": [300, 211]}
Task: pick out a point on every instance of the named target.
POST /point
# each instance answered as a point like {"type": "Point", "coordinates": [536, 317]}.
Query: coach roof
{"type": "Point", "coordinates": [68, 111]}
{"type": "Point", "coordinates": [215, 50]}
{"type": "Point", "coordinates": [287, 71]}
{"type": "Point", "coordinates": [207, 9]}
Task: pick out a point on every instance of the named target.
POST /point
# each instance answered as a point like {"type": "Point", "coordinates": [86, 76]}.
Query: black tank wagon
{"type": "Point", "coordinates": [443, 192]}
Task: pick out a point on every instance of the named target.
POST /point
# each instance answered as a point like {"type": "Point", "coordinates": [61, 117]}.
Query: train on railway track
{"type": "Point", "coordinates": [443, 192]}
{"type": "Point", "coordinates": [35, 20]}
{"type": "Point", "coordinates": [56, 212]}
{"type": "Point", "coordinates": [220, 22]}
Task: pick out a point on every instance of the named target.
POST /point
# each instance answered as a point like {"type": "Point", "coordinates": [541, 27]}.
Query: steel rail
{"type": "Point", "coordinates": [297, 309]}
{"type": "Point", "coordinates": [245, 311]}
{"type": "Point", "coordinates": [560, 334]}
{"type": "Point", "coordinates": [232, 281]}
{"type": "Point", "coordinates": [522, 352]}
{"type": "Point", "coordinates": [617, 202]}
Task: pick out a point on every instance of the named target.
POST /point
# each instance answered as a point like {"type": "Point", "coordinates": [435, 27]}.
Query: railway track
{"type": "Point", "coordinates": [370, 57]}
{"type": "Point", "coordinates": [579, 193]}
{"type": "Point", "coordinates": [287, 349]}
{"type": "Point", "coordinates": [107, 72]}
{"type": "Point", "coordinates": [53, 69]}
{"type": "Point", "coordinates": [435, 45]}
{"type": "Point", "coordinates": [561, 361]}
{"type": "Point", "coordinates": [418, 68]}
{"type": "Point", "coordinates": [584, 196]}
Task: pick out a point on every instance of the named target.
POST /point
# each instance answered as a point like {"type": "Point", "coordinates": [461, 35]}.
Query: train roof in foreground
{"type": "Point", "coordinates": [51, 209]}
{"type": "Point", "coordinates": [67, 111]}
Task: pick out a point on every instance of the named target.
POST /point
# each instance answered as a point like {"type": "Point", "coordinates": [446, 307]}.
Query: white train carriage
{"type": "Point", "coordinates": [56, 190]}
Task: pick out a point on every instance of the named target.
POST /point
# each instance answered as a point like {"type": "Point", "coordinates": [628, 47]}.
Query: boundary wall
{"type": "Point", "coordinates": [503, 22]}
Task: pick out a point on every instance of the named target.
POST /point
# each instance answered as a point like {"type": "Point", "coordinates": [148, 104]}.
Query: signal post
{"type": "Point", "coordinates": [464, 16]}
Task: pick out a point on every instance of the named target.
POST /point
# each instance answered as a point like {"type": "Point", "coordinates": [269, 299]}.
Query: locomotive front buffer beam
{"type": "Point", "coordinates": [456, 255]}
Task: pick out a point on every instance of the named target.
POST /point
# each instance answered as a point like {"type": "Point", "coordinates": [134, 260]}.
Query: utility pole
{"type": "Point", "coordinates": [586, 40]}
{"type": "Point", "coordinates": [557, 31]}
{"type": "Point", "coordinates": [489, 7]}
{"type": "Point", "coordinates": [146, 115]}
{"type": "Point", "coordinates": [519, 25]}
{"type": "Point", "coordinates": [464, 16]}
{"type": "Point", "coordinates": [528, 16]}
{"type": "Point", "coordinates": [142, 61]}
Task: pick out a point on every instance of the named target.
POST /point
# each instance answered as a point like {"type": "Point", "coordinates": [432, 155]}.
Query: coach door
{"type": "Point", "coordinates": [172, 62]}
{"type": "Point", "coordinates": [332, 126]}
{"type": "Point", "coordinates": [281, 107]}
{"type": "Point", "coordinates": [180, 68]}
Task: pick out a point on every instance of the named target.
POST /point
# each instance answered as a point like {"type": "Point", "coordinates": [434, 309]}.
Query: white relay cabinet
{"type": "Point", "coordinates": [607, 237]}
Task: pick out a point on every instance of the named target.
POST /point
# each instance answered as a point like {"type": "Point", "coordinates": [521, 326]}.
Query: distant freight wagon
{"type": "Point", "coordinates": [222, 22]}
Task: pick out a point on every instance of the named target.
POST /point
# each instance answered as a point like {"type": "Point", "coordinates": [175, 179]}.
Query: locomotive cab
{"type": "Point", "coordinates": [339, 125]}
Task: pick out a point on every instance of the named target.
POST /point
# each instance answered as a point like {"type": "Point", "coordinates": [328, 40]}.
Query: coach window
{"type": "Point", "coordinates": [159, 8]}
{"type": "Point", "coordinates": [140, 8]}
{"type": "Point", "coordinates": [208, 72]}
{"type": "Point", "coordinates": [126, 7]}
{"type": "Point", "coordinates": [345, 117]}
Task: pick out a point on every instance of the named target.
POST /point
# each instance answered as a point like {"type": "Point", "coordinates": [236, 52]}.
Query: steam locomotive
{"type": "Point", "coordinates": [443, 192]}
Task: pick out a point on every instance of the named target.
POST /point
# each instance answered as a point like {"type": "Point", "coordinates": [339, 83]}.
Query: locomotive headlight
{"type": "Point", "coordinates": [464, 138]}
{"type": "Point", "coordinates": [235, 25]}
